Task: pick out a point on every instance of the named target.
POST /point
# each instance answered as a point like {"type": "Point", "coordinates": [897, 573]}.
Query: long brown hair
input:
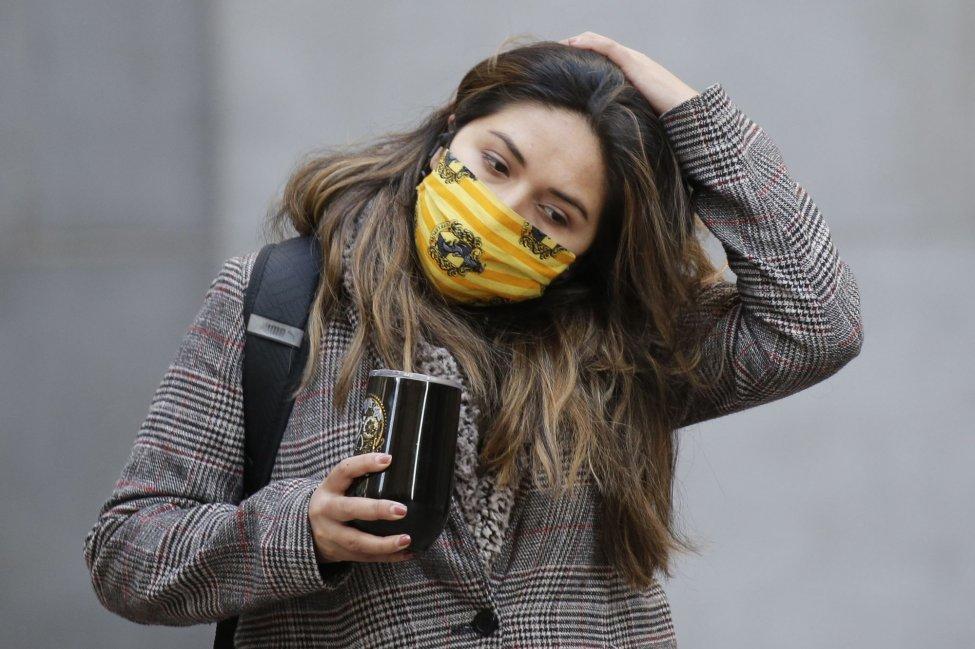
{"type": "Point", "coordinates": [593, 374]}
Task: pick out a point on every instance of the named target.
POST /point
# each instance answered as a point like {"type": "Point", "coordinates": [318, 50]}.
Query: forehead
{"type": "Point", "coordinates": [559, 146]}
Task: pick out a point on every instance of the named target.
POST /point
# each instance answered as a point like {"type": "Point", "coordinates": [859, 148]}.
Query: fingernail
{"type": "Point", "coordinates": [571, 40]}
{"type": "Point", "coordinates": [403, 540]}
{"type": "Point", "coordinates": [384, 458]}
{"type": "Point", "coordinates": [399, 510]}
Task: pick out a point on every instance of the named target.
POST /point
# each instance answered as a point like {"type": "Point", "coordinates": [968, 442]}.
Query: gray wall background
{"type": "Point", "coordinates": [141, 144]}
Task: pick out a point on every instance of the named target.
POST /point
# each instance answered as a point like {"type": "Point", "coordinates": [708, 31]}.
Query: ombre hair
{"type": "Point", "coordinates": [590, 377]}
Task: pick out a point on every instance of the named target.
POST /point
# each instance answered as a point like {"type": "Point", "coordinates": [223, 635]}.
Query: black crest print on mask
{"type": "Point", "coordinates": [450, 175]}
{"type": "Point", "coordinates": [464, 244]}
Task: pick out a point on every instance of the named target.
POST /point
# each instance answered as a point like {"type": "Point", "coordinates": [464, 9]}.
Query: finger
{"type": "Point", "coordinates": [346, 508]}
{"type": "Point", "coordinates": [357, 542]}
{"type": "Point", "coordinates": [598, 43]}
{"type": "Point", "coordinates": [596, 39]}
{"type": "Point", "coordinates": [340, 478]}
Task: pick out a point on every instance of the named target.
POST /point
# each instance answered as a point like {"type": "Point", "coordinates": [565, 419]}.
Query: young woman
{"type": "Point", "coordinates": [536, 240]}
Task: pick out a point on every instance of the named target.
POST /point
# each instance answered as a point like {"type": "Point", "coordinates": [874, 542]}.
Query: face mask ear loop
{"type": "Point", "coordinates": [445, 138]}
{"type": "Point", "coordinates": [441, 142]}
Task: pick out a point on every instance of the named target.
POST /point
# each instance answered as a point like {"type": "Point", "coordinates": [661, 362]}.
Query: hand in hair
{"type": "Point", "coordinates": [663, 89]}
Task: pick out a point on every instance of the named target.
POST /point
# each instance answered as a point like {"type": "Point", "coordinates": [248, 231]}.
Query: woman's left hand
{"type": "Point", "coordinates": [661, 87]}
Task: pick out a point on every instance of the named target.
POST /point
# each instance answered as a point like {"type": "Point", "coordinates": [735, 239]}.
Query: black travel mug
{"type": "Point", "coordinates": [413, 417]}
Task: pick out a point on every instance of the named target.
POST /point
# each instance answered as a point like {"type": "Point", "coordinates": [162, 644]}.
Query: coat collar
{"type": "Point", "coordinates": [478, 506]}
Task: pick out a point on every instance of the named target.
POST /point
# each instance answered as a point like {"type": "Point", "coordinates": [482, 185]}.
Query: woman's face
{"type": "Point", "coordinates": [544, 163]}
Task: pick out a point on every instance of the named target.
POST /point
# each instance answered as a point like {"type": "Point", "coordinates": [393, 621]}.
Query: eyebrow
{"type": "Point", "coordinates": [516, 152]}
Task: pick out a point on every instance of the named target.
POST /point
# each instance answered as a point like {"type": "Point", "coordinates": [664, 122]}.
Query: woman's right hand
{"type": "Point", "coordinates": [330, 508]}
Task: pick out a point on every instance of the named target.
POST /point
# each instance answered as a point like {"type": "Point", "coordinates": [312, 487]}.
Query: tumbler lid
{"type": "Point", "coordinates": [417, 376]}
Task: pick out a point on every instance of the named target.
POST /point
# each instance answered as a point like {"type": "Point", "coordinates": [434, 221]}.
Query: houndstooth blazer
{"type": "Point", "coordinates": [174, 545]}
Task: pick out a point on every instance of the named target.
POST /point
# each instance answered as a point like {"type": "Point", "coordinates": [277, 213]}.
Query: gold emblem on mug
{"type": "Point", "coordinates": [373, 423]}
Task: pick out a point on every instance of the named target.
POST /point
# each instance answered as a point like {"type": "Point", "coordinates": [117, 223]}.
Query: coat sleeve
{"type": "Point", "coordinates": [791, 318]}
{"type": "Point", "coordinates": [174, 544]}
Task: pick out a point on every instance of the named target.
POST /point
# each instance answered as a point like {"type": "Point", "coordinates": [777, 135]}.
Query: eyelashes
{"type": "Point", "coordinates": [491, 161]}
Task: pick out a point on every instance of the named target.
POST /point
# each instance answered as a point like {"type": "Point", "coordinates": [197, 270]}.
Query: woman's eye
{"type": "Point", "coordinates": [555, 216]}
{"type": "Point", "coordinates": [493, 162]}
{"type": "Point", "coordinates": [558, 217]}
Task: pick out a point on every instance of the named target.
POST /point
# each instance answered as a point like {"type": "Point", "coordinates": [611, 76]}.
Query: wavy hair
{"type": "Point", "coordinates": [592, 376]}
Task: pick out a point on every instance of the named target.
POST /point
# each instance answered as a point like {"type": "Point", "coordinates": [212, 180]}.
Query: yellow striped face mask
{"type": "Point", "coordinates": [473, 247]}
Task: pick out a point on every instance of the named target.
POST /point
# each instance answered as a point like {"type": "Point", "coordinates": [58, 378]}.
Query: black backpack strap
{"type": "Point", "coordinates": [275, 348]}
{"type": "Point", "coordinates": [276, 305]}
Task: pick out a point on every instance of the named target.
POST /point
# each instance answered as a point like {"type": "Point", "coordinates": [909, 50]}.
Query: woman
{"type": "Point", "coordinates": [580, 359]}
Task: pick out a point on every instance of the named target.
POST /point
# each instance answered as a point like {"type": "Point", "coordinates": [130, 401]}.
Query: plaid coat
{"type": "Point", "coordinates": [174, 545]}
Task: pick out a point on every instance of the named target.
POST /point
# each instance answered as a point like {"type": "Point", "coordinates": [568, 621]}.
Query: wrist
{"type": "Point", "coordinates": [676, 97]}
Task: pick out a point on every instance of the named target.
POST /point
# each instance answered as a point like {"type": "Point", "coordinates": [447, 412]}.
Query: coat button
{"type": "Point", "coordinates": [485, 622]}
